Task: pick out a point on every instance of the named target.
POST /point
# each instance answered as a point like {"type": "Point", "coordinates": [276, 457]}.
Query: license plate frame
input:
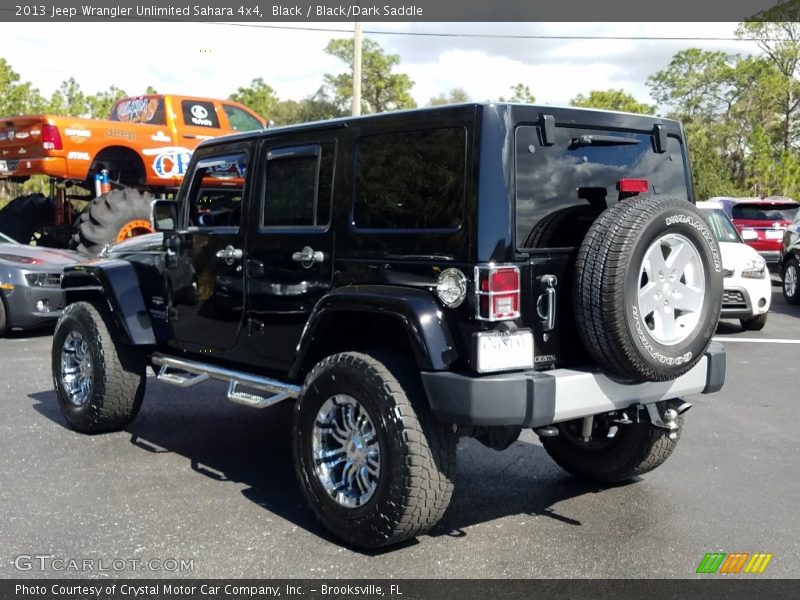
{"type": "Point", "coordinates": [498, 351]}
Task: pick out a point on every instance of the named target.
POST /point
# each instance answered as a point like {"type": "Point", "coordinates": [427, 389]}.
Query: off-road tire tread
{"type": "Point", "coordinates": [25, 215]}
{"type": "Point", "coordinates": [103, 217]}
{"type": "Point", "coordinates": [423, 493]}
{"type": "Point", "coordinates": [117, 395]}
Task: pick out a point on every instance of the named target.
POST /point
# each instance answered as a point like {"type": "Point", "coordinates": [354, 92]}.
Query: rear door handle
{"type": "Point", "coordinates": [308, 257]}
{"type": "Point", "coordinates": [548, 315]}
{"type": "Point", "coordinates": [230, 255]}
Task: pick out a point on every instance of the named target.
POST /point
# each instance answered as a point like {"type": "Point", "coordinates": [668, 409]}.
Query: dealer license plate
{"type": "Point", "coordinates": [3, 165]}
{"type": "Point", "coordinates": [774, 234]}
{"type": "Point", "coordinates": [503, 351]}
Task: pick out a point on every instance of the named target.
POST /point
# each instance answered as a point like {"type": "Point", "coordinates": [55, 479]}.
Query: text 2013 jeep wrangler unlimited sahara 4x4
{"type": "Point", "coordinates": [411, 277]}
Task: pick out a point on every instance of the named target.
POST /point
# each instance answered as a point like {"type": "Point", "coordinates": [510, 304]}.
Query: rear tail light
{"type": "Point", "coordinates": [632, 186]}
{"type": "Point", "coordinates": [497, 292]}
{"type": "Point", "coordinates": [51, 138]}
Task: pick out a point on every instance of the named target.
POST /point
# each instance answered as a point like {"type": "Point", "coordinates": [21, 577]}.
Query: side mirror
{"type": "Point", "coordinates": [164, 215]}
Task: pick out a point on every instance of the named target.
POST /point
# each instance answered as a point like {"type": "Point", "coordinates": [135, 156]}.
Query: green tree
{"type": "Point", "coordinates": [454, 96]}
{"type": "Point", "coordinates": [150, 91]}
{"type": "Point", "coordinates": [69, 100]}
{"type": "Point", "coordinates": [258, 96]}
{"type": "Point", "coordinates": [520, 94]}
{"type": "Point", "coordinates": [612, 100]}
{"type": "Point", "coordinates": [101, 103]}
{"type": "Point", "coordinates": [17, 97]}
{"type": "Point", "coordinates": [381, 88]}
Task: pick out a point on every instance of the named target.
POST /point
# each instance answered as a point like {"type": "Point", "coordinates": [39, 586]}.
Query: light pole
{"type": "Point", "coordinates": [357, 70]}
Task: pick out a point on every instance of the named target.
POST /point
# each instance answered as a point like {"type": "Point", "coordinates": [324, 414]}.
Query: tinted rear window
{"type": "Point", "coordinates": [563, 187]}
{"type": "Point", "coordinates": [759, 212]}
{"type": "Point", "coordinates": [411, 180]}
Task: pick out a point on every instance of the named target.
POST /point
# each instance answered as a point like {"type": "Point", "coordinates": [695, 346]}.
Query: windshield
{"type": "Point", "coordinates": [562, 187]}
{"type": "Point", "coordinates": [723, 229]}
{"type": "Point", "coordinates": [765, 212]}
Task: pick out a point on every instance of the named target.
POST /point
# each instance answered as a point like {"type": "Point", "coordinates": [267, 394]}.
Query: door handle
{"type": "Point", "coordinates": [548, 316]}
{"type": "Point", "coordinates": [308, 257]}
{"type": "Point", "coordinates": [229, 255]}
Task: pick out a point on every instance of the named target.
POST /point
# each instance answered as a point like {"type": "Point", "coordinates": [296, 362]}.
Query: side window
{"type": "Point", "coordinates": [241, 120]}
{"type": "Point", "coordinates": [299, 183]}
{"type": "Point", "coordinates": [411, 180]}
{"type": "Point", "coordinates": [139, 110]}
{"type": "Point", "coordinates": [199, 114]}
{"type": "Point", "coordinates": [215, 195]}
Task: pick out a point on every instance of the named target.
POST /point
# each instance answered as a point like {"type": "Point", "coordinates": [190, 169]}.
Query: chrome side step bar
{"type": "Point", "coordinates": [187, 373]}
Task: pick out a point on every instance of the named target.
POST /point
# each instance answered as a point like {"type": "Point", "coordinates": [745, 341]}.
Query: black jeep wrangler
{"type": "Point", "coordinates": [408, 278]}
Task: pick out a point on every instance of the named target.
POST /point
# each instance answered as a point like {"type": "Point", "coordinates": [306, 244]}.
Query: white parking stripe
{"type": "Point", "coordinates": [755, 340]}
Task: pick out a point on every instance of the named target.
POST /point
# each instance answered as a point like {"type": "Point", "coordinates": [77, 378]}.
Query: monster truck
{"type": "Point", "coordinates": [144, 148]}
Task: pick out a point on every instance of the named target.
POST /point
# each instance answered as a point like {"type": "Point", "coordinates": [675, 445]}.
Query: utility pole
{"type": "Point", "coordinates": [357, 70]}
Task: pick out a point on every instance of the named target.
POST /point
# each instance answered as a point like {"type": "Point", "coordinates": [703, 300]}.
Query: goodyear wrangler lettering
{"type": "Point", "coordinates": [662, 358]}
{"type": "Point", "coordinates": [703, 230]}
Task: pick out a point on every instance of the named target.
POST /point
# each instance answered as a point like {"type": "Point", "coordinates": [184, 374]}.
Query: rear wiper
{"type": "Point", "coordinates": [601, 140]}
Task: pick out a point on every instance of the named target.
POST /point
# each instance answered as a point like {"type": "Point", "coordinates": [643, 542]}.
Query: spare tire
{"type": "Point", "coordinates": [648, 288]}
{"type": "Point", "coordinates": [25, 215]}
{"type": "Point", "coordinates": [111, 218]}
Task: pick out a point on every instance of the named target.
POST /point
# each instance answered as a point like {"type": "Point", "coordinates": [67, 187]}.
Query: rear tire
{"type": "Point", "coordinates": [3, 317]}
{"type": "Point", "coordinates": [790, 280]}
{"type": "Point", "coordinates": [389, 467]}
{"type": "Point", "coordinates": [107, 217]}
{"type": "Point", "coordinates": [25, 215]}
{"type": "Point", "coordinates": [99, 379]}
{"type": "Point", "coordinates": [635, 450]}
{"type": "Point", "coordinates": [754, 323]}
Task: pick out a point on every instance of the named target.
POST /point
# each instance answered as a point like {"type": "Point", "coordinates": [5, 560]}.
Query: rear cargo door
{"type": "Point", "coordinates": [564, 179]}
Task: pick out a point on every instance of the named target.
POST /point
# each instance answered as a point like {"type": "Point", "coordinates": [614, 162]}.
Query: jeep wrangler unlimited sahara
{"type": "Point", "coordinates": [409, 278]}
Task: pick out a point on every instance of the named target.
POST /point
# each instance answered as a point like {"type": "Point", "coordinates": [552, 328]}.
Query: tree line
{"type": "Point", "coordinates": [741, 113]}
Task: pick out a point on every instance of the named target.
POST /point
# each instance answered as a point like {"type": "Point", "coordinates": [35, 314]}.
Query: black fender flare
{"type": "Point", "coordinates": [116, 282]}
{"type": "Point", "coordinates": [428, 333]}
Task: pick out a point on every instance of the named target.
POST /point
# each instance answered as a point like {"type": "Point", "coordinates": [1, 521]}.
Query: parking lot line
{"type": "Point", "coordinates": [755, 340]}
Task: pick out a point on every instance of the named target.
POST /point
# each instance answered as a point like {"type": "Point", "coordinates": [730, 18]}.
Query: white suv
{"type": "Point", "coordinates": [748, 288]}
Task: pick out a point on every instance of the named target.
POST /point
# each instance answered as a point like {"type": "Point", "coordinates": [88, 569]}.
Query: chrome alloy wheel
{"type": "Point", "coordinates": [346, 451]}
{"type": "Point", "coordinates": [671, 289]}
{"type": "Point", "coordinates": [790, 281]}
{"type": "Point", "coordinates": [76, 369]}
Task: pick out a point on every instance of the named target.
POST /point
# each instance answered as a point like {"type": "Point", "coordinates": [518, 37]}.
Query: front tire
{"type": "Point", "coordinates": [99, 380]}
{"type": "Point", "coordinates": [635, 449]}
{"type": "Point", "coordinates": [791, 281]}
{"type": "Point", "coordinates": [755, 323]}
{"type": "Point", "coordinates": [374, 465]}
{"type": "Point", "coordinates": [111, 218]}
{"type": "Point", "coordinates": [3, 317]}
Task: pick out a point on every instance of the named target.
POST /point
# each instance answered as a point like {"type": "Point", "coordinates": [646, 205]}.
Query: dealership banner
{"type": "Point", "coordinates": [305, 11]}
{"type": "Point", "coordinates": [399, 589]}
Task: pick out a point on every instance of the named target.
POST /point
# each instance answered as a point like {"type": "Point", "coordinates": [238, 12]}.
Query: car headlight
{"type": "Point", "coordinates": [755, 268]}
{"type": "Point", "coordinates": [52, 280]}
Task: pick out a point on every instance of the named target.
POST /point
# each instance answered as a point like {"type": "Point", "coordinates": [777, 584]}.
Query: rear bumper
{"type": "Point", "coordinates": [536, 399]}
{"type": "Point", "coordinates": [54, 166]}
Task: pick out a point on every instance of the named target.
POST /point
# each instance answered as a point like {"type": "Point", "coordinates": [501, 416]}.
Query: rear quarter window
{"type": "Point", "coordinates": [199, 114]}
{"type": "Point", "coordinates": [411, 180]}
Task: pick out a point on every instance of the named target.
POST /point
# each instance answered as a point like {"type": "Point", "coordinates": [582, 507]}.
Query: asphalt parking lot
{"type": "Point", "coordinates": [198, 478]}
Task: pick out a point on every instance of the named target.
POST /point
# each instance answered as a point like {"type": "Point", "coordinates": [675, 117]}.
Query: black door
{"type": "Point", "coordinates": [290, 252]}
{"type": "Point", "coordinates": [206, 277]}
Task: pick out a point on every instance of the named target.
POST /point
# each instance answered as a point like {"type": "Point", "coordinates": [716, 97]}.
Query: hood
{"type": "Point", "coordinates": [44, 256]}
{"type": "Point", "coordinates": [735, 254]}
{"type": "Point", "coordinates": [141, 243]}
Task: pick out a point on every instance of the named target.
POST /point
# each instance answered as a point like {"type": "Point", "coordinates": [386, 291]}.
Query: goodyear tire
{"type": "Point", "coordinates": [111, 218]}
{"type": "Point", "coordinates": [374, 465]}
{"type": "Point", "coordinates": [98, 378]}
{"type": "Point", "coordinates": [648, 288]}
{"type": "Point", "coordinates": [25, 215]}
{"type": "Point", "coordinates": [633, 449]}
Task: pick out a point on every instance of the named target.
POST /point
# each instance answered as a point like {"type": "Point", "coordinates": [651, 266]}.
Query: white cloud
{"type": "Point", "coordinates": [215, 59]}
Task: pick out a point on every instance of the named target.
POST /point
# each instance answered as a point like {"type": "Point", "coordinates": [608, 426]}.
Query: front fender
{"type": "Point", "coordinates": [428, 333]}
{"type": "Point", "coordinates": [118, 283]}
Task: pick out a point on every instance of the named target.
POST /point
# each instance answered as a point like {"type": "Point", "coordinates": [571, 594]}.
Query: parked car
{"type": "Point", "coordinates": [30, 284]}
{"type": "Point", "coordinates": [790, 261]}
{"type": "Point", "coordinates": [747, 288]}
{"type": "Point", "coordinates": [408, 278]}
{"type": "Point", "coordinates": [761, 222]}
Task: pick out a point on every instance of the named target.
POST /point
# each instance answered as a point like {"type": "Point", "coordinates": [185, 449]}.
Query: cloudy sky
{"type": "Point", "coordinates": [213, 59]}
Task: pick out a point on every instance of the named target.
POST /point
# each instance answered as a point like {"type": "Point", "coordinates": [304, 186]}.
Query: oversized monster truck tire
{"type": "Point", "coordinates": [374, 465]}
{"type": "Point", "coordinates": [98, 378]}
{"type": "Point", "coordinates": [633, 450]}
{"type": "Point", "coordinates": [648, 288]}
{"type": "Point", "coordinates": [111, 218]}
{"type": "Point", "coordinates": [25, 215]}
